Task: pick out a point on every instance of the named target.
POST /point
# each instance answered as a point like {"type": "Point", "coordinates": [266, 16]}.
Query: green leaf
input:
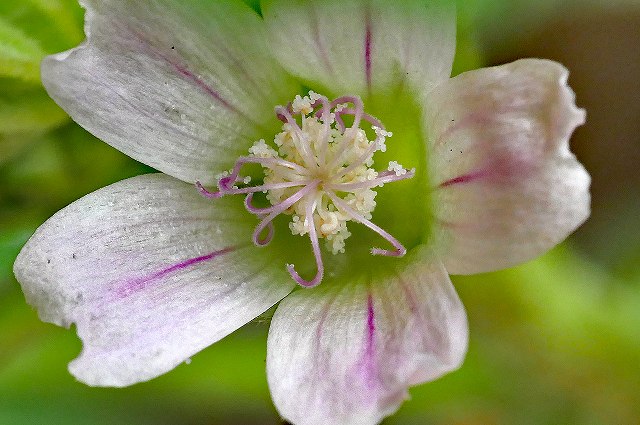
{"type": "Point", "coordinates": [56, 25]}
{"type": "Point", "coordinates": [19, 55]}
{"type": "Point", "coordinates": [30, 30]}
{"type": "Point", "coordinates": [27, 111]}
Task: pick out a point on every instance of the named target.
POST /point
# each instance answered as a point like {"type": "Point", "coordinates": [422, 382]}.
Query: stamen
{"type": "Point", "coordinates": [287, 202]}
{"type": "Point", "coordinates": [369, 118]}
{"type": "Point", "coordinates": [204, 192]}
{"type": "Point", "coordinates": [278, 209]}
{"type": "Point", "coordinates": [281, 117]}
{"type": "Point", "coordinates": [265, 162]}
{"type": "Point", "coordinates": [315, 245]}
{"type": "Point", "coordinates": [373, 147]}
{"type": "Point", "coordinates": [265, 241]}
{"type": "Point", "coordinates": [264, 188]}
{"type": "Point", "coordinates": [303, 144]}
{"type": "Point", "coordinates": [399, 251]}
{"type": "Point", "coordinates": [325, 114]}
{"type": "Point", "coordinates": [384, 177]}
{"type": "Point", "coordinates": [314, 157]}
{"type": "Point", "coordinates": [357, 113]}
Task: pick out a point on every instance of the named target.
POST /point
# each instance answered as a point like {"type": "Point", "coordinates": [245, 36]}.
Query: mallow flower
{"type": "Point", "coordinates": [366, 176]}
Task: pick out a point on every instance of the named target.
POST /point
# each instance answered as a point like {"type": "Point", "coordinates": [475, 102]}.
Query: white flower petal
{"type": "Point", "coordinates": [360, 47]}
{"type": "Point", "coordinates": [150, 272]}
{"type": "Point", "coordinates": [346, 354]}
{"type": "Point", "coordinates": [185, 87]}
{"type": "Point", "coordinates": [507, 188]}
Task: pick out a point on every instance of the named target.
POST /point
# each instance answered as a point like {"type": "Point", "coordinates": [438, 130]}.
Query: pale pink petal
{"type": "Point", "coordinates": [506, 188]}
{"type": "Point", "coordinates": [150, 272]}
{"type": "Point", "coordinates": [185, 87]}
{"type": "Point", "coordinates": [363, 47]}
{"type": "Point", "coordinates": [346, 352]}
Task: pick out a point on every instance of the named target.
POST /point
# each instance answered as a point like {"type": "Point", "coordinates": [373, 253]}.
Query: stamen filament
{"type": "Point", "coordinates": [270, 232]}
{"type": "Point", "coordinates": [357, 113]}
{"type": "Point", "coordinates": [315, 245]}
{"type": "Point", "coordinates": [303, 144]}
{"type": "Point", "coordinates": [325, 114]}
{"type": "Point", "coordinates": [288, 202]}
{"type": "Point", "coordinates": [369, 118]}
{"type": "Point", "coordinates": [265, 162]}
{"type": "Point", "coordinates": [399, 251]}
{"type": "Point", "coordinates": [357, 117]}
{"type": "Point", "coordinates": [264, 187]}
{"type": "Point", "coordinates": [204, 192]}
{"type": "Point", "coordinates": [362, 159]}
{"type": "Point", "coordinates": [384, 177]}
{"type": "Point", "coordinates": [277, 209]}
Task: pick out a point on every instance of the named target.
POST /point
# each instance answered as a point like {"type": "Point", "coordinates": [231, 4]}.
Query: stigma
{"type": "Point", "coordinates": [318, 170]}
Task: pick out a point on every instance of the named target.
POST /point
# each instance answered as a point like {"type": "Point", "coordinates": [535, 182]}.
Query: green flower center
{"type": "Point", "coordinates": [319, 172]}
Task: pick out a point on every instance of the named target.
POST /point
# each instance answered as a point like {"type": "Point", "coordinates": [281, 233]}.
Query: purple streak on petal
{"type": "Point", "coordinates": [465, 178]}
{"type": "Point", "coordinates": [367, 49]}
{"type": "Point", "coordinates": [371, 324]}
{"type": "Point", "coordinates": [184, 71]}
{"type": "Point", "coordinates": [204, 86]}
{"type": "Point", "coordinates": [259, 89]}
{"type": "Point", "coordinates": [322, 51]}
{"type": "Point", "coordinates": [140, 283]}
{"type": "Point", "coordinates": [431, 337]}
{"type": "Point", "coordinates": [369, 362]}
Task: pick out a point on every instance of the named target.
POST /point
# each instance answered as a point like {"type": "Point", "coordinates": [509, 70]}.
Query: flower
{"type": "Point", "coordinates": [151, 271]}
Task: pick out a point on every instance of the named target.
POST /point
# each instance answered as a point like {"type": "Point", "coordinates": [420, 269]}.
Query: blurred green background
{"type": "Point", "coordinates": [554, 341]}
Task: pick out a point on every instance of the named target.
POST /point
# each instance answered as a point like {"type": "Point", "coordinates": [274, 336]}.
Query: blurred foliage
{"type": "Point", "coordinates": [29, 30]}
{"type": "Point", "coordinates": [554, 341]}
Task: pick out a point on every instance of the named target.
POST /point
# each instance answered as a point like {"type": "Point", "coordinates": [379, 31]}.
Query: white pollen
{"type": "Point", "coordinates": [301, 105]}
{"type": "Point", "coordinates": [262, 150]}
{"type": "Point", "coordinates": [398, 169]}
{"type": "Point", "coordinates": [222, 175]}
{"type": "Point", "coordinates": [247, 180]}
{"type": "Point", "coordinates": [314, 96]}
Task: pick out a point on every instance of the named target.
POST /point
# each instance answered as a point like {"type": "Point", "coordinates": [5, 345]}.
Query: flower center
{"type": "Point", "coordinates": [319, 171]}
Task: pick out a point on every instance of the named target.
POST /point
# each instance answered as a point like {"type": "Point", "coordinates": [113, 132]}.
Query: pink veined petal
{"type": "Point", "coordinates": [346, 353]}
{"type": "Point", "coordinates": [363, 46]}
{"type": "Point", "coordinates": [150, 272]}
{"type": "Point", "coordinates": [506, 186]}
{"type": "Point", "coordinates": [183, 86]}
